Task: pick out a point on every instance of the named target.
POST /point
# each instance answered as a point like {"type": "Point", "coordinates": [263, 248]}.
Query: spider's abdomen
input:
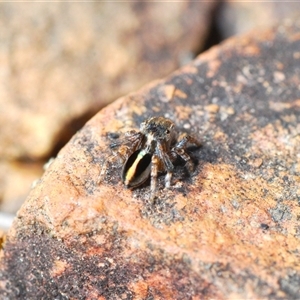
{"type": "Point", "coordinates": [137, 168]}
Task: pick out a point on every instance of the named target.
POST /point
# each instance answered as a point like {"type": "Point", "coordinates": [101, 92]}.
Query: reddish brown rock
{"type": "Point", "coordinates": [230, 231]}
{"type": "Point", "coordinates": [63, 61]}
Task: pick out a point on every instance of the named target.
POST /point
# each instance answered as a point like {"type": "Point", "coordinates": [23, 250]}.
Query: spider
{"type": "Point", "coordinates": [149, 151]}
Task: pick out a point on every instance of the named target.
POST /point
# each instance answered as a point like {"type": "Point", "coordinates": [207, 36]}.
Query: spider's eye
{"type": "Point", "coordinates": [167, 131]}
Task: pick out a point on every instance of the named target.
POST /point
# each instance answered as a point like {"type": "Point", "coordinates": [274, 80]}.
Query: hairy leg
{"type": "Point", "coordinates": [154, 174]}
{"type": "Point", "coordinates": [126, 147]}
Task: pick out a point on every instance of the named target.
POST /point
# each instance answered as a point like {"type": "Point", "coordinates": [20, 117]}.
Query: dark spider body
{"type": "Point", "coordinates": [152, 150]}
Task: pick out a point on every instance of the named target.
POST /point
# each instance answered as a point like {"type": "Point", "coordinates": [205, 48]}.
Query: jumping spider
{"type": "Point", "coordinates": [151, 150]}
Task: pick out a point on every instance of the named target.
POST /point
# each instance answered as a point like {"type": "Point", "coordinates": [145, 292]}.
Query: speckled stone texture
{"type": "Point", "coordinates": [229, 231]}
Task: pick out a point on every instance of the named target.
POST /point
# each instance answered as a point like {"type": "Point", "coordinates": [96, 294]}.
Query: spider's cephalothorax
{"type": "Point", "coordinates": [152, 150]}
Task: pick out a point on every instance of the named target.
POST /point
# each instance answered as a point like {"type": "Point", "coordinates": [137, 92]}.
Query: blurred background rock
{"type": "Point", "coordinates": [62, 62]}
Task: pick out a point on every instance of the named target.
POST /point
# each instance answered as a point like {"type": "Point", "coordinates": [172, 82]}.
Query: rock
{"type": "Point", "coordinates": [59, 69]}
{"type": "Point", "coordinates": [239, 17]}
{"type": "Point", "coordinates": [62, 62]}
{"type": "Point", "coordinates": [228, 231]}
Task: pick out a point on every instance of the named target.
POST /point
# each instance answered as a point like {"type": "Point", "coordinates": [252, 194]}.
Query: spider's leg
{"type": "Point", "coordinates": [167, 164]}
{"type": "Point", "coordinates": [154, 173]}
{"type": "Point", "coordinates": [125, 147]}
{"type": "Point", "coordinates": [132, 138]}
{"type": "Point", "coordinates": [168, 179]}
{"type": "Point", "coordinates": [184, 139]}
{"type": "Point", "coordinates": [188, 161]}
{"type": "Point", "coordinates": [179, 150]}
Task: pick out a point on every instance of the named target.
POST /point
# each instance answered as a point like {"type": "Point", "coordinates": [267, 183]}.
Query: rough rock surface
{"type": "Point", "coordinates": [63, 61]}
{"type": "Point", "coordinates": [230, 231]}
